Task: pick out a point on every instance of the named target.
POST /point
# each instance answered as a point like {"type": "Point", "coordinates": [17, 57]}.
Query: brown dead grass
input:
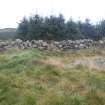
{"type": "Point", "coordinates": [51, 61]}
{"type": "Point", "coordinates": [55, 62]}
{"type": "Point", "coordinates": [89, 62]}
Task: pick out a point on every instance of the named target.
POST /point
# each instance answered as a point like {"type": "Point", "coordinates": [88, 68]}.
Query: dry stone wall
{"type": "Point", "coordinates": [52, 45]}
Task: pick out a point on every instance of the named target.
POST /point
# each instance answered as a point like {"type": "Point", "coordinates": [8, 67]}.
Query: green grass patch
{"type": "Point", "coordinates": [26, 80]}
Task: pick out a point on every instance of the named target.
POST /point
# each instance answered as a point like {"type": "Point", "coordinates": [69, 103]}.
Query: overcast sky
{"type": "Point", "coordinates": [12, 11]}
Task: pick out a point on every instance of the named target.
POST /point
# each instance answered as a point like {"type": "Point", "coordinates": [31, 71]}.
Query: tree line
{"type": "Point", "coordinates": [56, 28]}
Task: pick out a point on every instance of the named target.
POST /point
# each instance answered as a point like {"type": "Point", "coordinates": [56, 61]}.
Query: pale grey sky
{"type": "Point", "coordinates": [12, 11]}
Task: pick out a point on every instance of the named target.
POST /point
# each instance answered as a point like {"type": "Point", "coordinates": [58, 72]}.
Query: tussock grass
{"type": "Point", "coordinates": [33, 77]}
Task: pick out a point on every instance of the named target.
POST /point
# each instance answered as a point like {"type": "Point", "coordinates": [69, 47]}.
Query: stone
{"type": "Point", "coordinates": [53, 45]}
{"type": "Point", "coordinates": [44, 44]}
{"type": "Point", "coordinates": [19, 40]}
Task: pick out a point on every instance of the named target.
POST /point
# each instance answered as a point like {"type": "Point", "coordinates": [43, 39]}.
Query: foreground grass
{"type": "Point", "coordinates": [32, 77]}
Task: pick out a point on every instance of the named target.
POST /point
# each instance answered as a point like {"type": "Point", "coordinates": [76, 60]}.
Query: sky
{"type": "Point", "coordinates": [12, 11]}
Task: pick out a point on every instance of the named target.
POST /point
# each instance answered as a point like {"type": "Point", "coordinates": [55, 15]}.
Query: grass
{"type": "Point", "coordinates": [30, 77]}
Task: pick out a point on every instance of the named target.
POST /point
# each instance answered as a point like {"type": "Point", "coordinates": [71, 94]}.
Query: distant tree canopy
{"type": "Point", "coordinates": [56, 28]}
